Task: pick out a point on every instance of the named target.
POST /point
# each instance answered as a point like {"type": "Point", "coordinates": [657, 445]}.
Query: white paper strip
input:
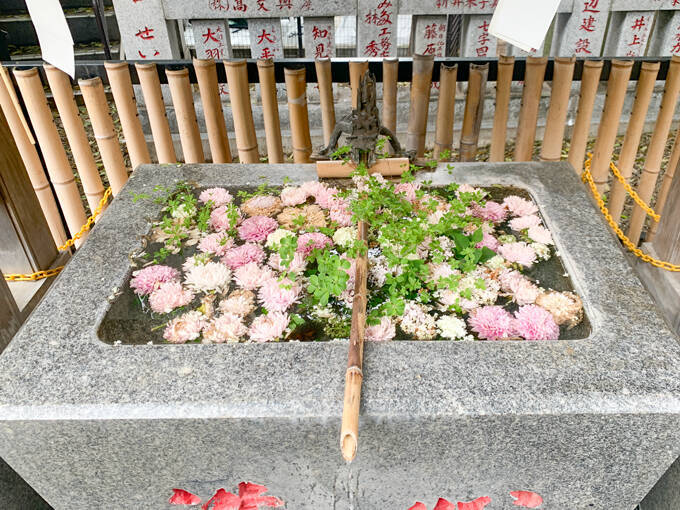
{"type": "Point", "coordinates": [523, 23]}
{"type": "Point", "coordinates": [54, 36]}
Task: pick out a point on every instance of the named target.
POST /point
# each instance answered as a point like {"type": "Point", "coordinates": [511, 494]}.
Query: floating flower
{"type": "Point", "coordinates": [491, 323]}
{"type": "Point", "coordinates": [408, 189]}
{"type": "Point", "coordinates": [542, 250]}
{"type": "Point", "coordinates": [489, 241]}
{"type": "Point", "coordinates": [344, 236]}
{"type": "Point", "coordinates": [220, 219]}
{"type": "Point", "coordinates": [251, 276]}
{"type": "Point", "coordinates": [324, 196]}
{"type": "Point", "coordinates": [241, 255]}
{"type": "Point", "coordinates": [183, 211]}
{"type": "Point", "coordinates": [491, 211]}
{"type": "Point", "coordinates": [524, 292]}
{"type": "Point", "coordinates": [168, 296]}
{"type": "Point", "coordinates": [441, 271]}
{"type": "Point", "coordinates": [341, 216]}
{"type": "Point", "coordinates": [523, 222]}
{"type": "Point", "coordinates": [313, 241]}
{"type": "Point", "coordinates": [184, 328]}
{"type": "Point", "coordinates": [292, 196]}
{"type": "Point", "coordinates": [262, 205]}
{"type": "Point", "coordinates": [540, 234]}
{"type": "Point", "coordinates": [274, 239]}
{"type": "Point", "coordinates": [307, 217]}
{"type": "Point", "coordinates": [145, 281]}
{"type": "Point", "coordinates": [381, 332]}
{"type": "Point", "coordinates": [535, 323]}
{"type": "Point", "coordinates": [519, 206]}
{"type": "Point", "coordinates": [228, 327]}
{"type": "Point", "coordinates": [297, 265]}
{"type": "Point", "coordinates": [377, 270]}
{"type": "Point", "coordinates": [209, 277]}
{"type": "Point", "coordinates": [453, 328]}
{"type": "Point", "coordinates": [416, 321]}
{"type": "Point", "coordinates": [239, 302]}
{"type": "Point", "coordinates": [278, 296]}
{"type": "Point", "coordinates": [268, 328]}
{"type": "Point", "coordinates": [257, 228]}
{"type": "Point", "coordinates": [520, 253]}
{"type": "Point", "coordinates": [565, 307]}
{"type": "Point", "coordinates": [495, 263]}
{"type": "Point", "coordinates": [217, 243]}
{"type": "Point", "coordinates": [218, 197]}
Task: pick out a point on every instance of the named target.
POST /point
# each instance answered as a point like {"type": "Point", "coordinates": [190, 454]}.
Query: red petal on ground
{"type": "Point", "coordinates": [527, 499]}
{"type": "Point", "coordinates": [477, 504]}
{"type": "Point", "coordinates": [182, 497]}
{"type": "Point", "coordinates": [418, 506]}
{"type": "Point", "coordinates": [443, 504]}
{"type": "Point", "coordinates": [223, 500]}
{"type": "Point", "coordinates": [252, 499]}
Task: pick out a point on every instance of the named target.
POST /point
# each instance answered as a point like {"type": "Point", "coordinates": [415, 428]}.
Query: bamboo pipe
{"type": "Point", "coordinates": [474, 110]}
{"type": "Point", "coordinates": [592, 69]}
{"type": "Point", "coordinates": [389, 93]}
{"type": "Point", "coordinates": [155, 108]}
{"type": "Point", "coordinates": [656, 148]}
{"type": "Point", "coordinates": [104, 132]}
{"type": "Point", "coordinates": [349, 431]}
{"type": "Point", "coordinates": [57, 163]}
{"type": "Point", "coordinates": [631, 141]}
{"type": "Point", "coordinates": [60, 84]}
{"type": "Point", "coordinates": [553, 136]}
{"type": "Point", "coordinates": [296, 88]}
{"type": "Point", "coordinates": [421, 83]}
{"type": "Point", "coordinates": [323, 77]}
{"type": "Point", "coordinates": [443, 135]}
{"type": "Point", "coordinates": [208, 87]}
{"type": "Point", "coordinates": [609, 123]}
{"type": "Point", "coordinates": [15, 101]}
{"type": "Point", "coordinates": [239, 96]}
{"type": "Point", "coordinates": [126, 105]}
{"type": "Point", "coordinates": [665, 185]}
{"type": "Point", "coordinates": [357, 68]}
{"type": "Point", "coordinates": [528, 112]}
{"type": "Point", "coordinates": [183, 102]}
{"type": "Point", "coordinates": [36, 172]}
{"type": "Point", "coordinates": [500, 120]}
{"type": "Point", "coordinates": [270, 106]}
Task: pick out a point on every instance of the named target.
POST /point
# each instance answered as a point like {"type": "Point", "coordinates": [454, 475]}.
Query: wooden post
{"type": "Point", "coordinates": [104, 132]}
{"type": "Point", "coordinates": [528, 113]}
{"type": "Point", "coordinates": [662, 197]}
{"type": "Point", "coordinates": [296, 88]}
{"type": "Point", "coordinates": [357, 68]}
{"type": "Point", "coordinates": [389, 95]}
{"type": "Point", "coordinates": [631, 141]}
{"type": "Point", "coordinates": [52, 147]}
{"type": "Point", "coordinates": [551, 148]}
{"type": "Point", "coordinates": [60, 84]}
{"type": "Point", "coordinates": [446, 104]}
{"type": "Point", "coordinates": [421, 82]}
{"type": "Point", "coordinates": [270, 107]}
{"type": "Point", "coordinates": [206, 75]}
{"type": "Point", "coordinates": [155, 109]}
{"type": "Point", "coordinates": [500, 120]}
{"type": "Point", "coordinates": [592, 69]}
{"type": "Point", "coordinates": [183, 102]}
{"type": "Point", "coordinates": [323, 76]}
{"type": "Point", "coordinates": [10, 317]}
{"type": "Point", "coordinates": [667, 243]}
{"type": "Point", "coordinates": [474, 110]}
{"type": "Point", "coordinates": [124, 97]}
{"type": "Point", "coordinates": [239, 96]}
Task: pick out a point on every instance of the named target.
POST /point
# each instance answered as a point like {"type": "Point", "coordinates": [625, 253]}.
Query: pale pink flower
{"type": "Point", "coordinates": [491, 323]}
{"type": "Point", "coordinates": [208, 277]}
{"type": "Point", "coordinates": [521, 253]}
{"type": "Point", "coordinates": [240, 302]}
{"type": "Point", "coordinates": [351, 271]}
{"type": "Point", "coordinates": [311, 241]}
{"type": "Point", "coordinates": [262, 205]}
{"type": "Point", "coordinates": [257, 228]}
{"type": "Point", "coordinates": [297, 265]}
{"type": "Point", "coordinates": [381, 332]}
{"type": "Point", "coordinates": [241, 255]}
{"type": "Point", "coordinates": [489, 241]}
{"type": "Point", "coordinates": [228, 327]}
{"type": "Point", "coordinates": [519, 206]}
{"type": "Point", "coordinates": [540, 234]}
{"type": "Point", "coordinates": [341, 216]}
{"type": "Point", "coordinates": [278, 296]}
{"type": "Point", "coordinates": [408, 189]}
{"type": "Point", "coordinates": [251, 276]}
{"type": "Point", "coordinates": [522, 222]}
{"type": "Point", "coordinates": [293, 196]}
{"type": "Point", "coordinates": [324, 196]}
{"type": "Point", "coordinates": [184, 328]}
{"type": "Point", "coordinates": [466, 188]}
{"type": "Point", "coordinates": [168, 296]}
{"type": "Point", "coordinates": [524, 292]}
{"type": "Point", "coordinates": [218, 243]}
{"type": "Point", "coordinates": [218, 196]}
{"type": "Point", "coordinates": [535, 323]}
{"type": "Point", "coordinates": [418, 322]}
{"type": "Point", "coordinates": [438, 271]}
{"type": "Point", "coordinates": [268, 328]}
{"type": "Point", "coordinates": [219, 220]}
{"type": "Point", "coordinates": [491, 211]}
{"type": "Point", "coordinates": [145, 281]}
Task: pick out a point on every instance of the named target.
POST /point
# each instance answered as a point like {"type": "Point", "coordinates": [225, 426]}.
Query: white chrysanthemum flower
{"type": "Point", "coordinates": [377, 270]}
{"type": "Point", "coordinates": [496, 262]}
{"type": "Point", "coordinates": [345, 236]}
{"type": "Point", "coordinates": [211, 277]}
{"type": "Point", "coordinates": [542, 250]}
{"type": "Point", "coordinates": [274, 239]}
{"type": "Point", "coordinates": [451, 327]}
{"type": "Point", "coordinates": [184, 211]}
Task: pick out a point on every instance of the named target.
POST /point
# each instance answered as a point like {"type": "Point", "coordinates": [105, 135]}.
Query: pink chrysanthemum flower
{"type": "Point", "coordinates": [293, 196]}
{"type": "Point", "coordinates": [168, 296]}
{"type": "Point", "coordinates": [341, 216]}
{"type": "Point", "coordinates": [251, 276]}
{"type": "Point", "coordinates": [208, 277]}
{"type": "Point", "coordinates": [519, 206]}
{"type": "Point", "coordinates": [325, 196]}
{"type": "Point", "coordinates": [439, 271]}
{"type": "Point", "coordinates": [466, 188]}
{"type": "Point", "coordinates": [241, 255]}
{"type": "Point", "coordinates": [521, 253]}
{"type": "Point", "coordinates": [257, 228]}
{"type": "Point", "coordinates": [218, 243]}
{"type": "Point", "coordinates": [535, 323]}
{"type": "Point", "coordinates": [184, 328]}
{"type": "Point", "coordinates": [313, 240]}
{"type": "Point", "coordinates": [297, 265]}
{"type": "Point", "coordinates": [489, 241]}
{"type": "Point", "coordinates": [524, 292]}
{"type": "Point", "coordinates": [218, 197]}
{"type": "Point", "coordinates": [491, 211]}
{"type": "Point", "coordinates": [540, 234]}
{"type": "Point", "coordinates": [409, 189]}
{"type": "Point", "coordinates": [491, 323]}
{"type": "Point", "coordinates": [219, 220]}
{"type": "Point", "coordinates": [278, 296]}
{"type": "Point", "coordinates": [145, 281]}
{"type": "Point", "coordinates": [240, 302]}
{"type": "Point", "coordinates": [228, 327]}
{"type": "Point", "coordinates": [381, 332]}
{"type": "Point", "coordinates": [522, 222]}
{"type": "Point", "coordinates": [268, 328]}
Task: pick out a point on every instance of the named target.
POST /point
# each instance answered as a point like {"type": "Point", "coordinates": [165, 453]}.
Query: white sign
{"type": "Point", "coordinates": [523, 23]}
{"type": "Point", "coordinates": [56, 42]}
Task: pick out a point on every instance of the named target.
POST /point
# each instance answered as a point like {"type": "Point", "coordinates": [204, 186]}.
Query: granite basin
{"type": "Point", "coordinates": [585, 423]}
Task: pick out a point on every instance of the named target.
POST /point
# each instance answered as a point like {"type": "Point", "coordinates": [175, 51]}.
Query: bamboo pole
{"type": "Point", "coordinates": [296, 87]}
{"type": "Point", "coordinates": [656, 148]}
{"type": "Point", "coordinates": [239, 96]}
{"type": "Point", "coordinates": [34, 168]}
{"type": "Point", "coordinates": [592, 69]}
{"type": "Point", "coordinates": [631, 141]}
{"type": "Point", "coordinates": [183, 102]}
{"type": "Point", "coordinates": [421, 82]}
{"type": "Point", "coordinates": [609, 123]}
{"type": "Point", "coordinates": [553, 136]}
{"type": "Point", "coordinates": [500, 120]}
{"type": "Point", "coordinates": [528, 113]}
{"type": "Point", "coordinates": [270, 106]}
{"type": "Point", "coordinates": [206, 75]}
{"type": "Point", "coordinates": [15, 101]}
{"type": "Point", "coordinates": [357, 68]}
{"type": "Point", "coordinates": [349, 432]}
{"type": "Point", "coordinates": [389, 94]}
{"type": "Point", "coordinates": [443, 136]}
{"type": "Point", "coordinates": [662, 197]}
{"type": "Point", "coordinates": [126, 105]}
{"type": "Point", "coordinates": [155, 109]}
{"type": "Point", "coordinates": [104, 132]}
{"type": "Point", "coordinates": [323, 76]}
{"type": "Point", "coordinates": [474, 110]}
{"type": "Point", "coordinates": [57, 163]}
{"type": "Point", "coordinates": [60, 84]}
